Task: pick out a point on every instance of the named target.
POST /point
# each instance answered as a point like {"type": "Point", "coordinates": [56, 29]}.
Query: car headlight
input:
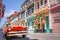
{"type": "Point", "coordinates": [9, 29]}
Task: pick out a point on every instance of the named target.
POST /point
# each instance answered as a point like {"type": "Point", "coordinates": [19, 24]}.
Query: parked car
{"type": "Point", "coordinates": [15, 30]}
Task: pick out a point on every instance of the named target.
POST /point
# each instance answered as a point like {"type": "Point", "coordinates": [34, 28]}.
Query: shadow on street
{"type": "Point", "coordinates": [20, 38]}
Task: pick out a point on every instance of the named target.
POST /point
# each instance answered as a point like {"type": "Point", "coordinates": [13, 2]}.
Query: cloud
{"type": "Point", "coordinates": [8, 13]}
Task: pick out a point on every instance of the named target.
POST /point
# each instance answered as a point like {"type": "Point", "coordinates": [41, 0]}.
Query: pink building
{"type": "Point", "coordinates": [55, 18]}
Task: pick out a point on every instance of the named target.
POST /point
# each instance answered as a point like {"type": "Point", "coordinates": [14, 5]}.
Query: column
{"type": "Point", "coordinates": [50, 20]}
{"type": "Point", "coordinates": [39, 4]}
{"type": "Point", "coordinates": [34, 6]}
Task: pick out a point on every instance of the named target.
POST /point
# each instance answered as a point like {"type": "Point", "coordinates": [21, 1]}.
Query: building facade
{"type": "Point", "coordinates": [42, 16]}
{"type": "Point", "coordinates": [55, 15]}
{"type": "Point", "coordinates": [22, 18]}
{"type": "Point", "coordinates": [36, 15]}
{"type": "Point", "coordinates": [28, 12]}
{"type": "Point", "coordinates": [13, 19]}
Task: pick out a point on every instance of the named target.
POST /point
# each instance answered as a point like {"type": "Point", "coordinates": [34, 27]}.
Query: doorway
{"type": "Point", "coordinates": [47, 24]}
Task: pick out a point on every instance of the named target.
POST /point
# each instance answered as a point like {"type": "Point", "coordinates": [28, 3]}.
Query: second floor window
{"type": "Point", "coordinates": [30, 0]}
{"type": "Point", "coordinates": [45, 1]}
{"type": "Point", "coordinates": [38, 5]}
{"type": "Point", "coordinates": [59, 1]}
{"type": "Point", "coordinates": [23, 15]}
{"type": "Point", "coordinates": [41, 2]}
{"type": "Point", "coordinates": [30, 10]}
{"type": "Point", "coordinates": [54, 2]}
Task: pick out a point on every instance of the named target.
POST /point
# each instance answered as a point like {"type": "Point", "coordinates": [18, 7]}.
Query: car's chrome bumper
{"type": "Point", "coordinates": [17, 33]}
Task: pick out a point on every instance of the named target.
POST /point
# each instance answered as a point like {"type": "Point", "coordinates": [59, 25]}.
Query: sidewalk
{"type": "Point", "coordinates": [46, 34]}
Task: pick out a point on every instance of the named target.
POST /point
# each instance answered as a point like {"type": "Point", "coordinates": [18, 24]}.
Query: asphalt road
{"type": "Point", "coordinates": [34, 36]}
{"type": "Point", "coordinates": [13, 38]}
{"type": "Point", "coordinates": [1, 36]}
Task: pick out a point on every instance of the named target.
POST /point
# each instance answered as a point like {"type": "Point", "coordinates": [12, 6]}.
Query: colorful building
{"type": "Point", "coordinates": [13, 19]}
{"type": "Point", "coordinates": [42, 16]}
{"type": "Point", "coordinates": [28, 8]}
{"type": "Point", "coordinates": [39, 16]}
{"type": "Point", "coordinates": [55, 15]}
{"type": "Point", "coordinates": [22, 18]}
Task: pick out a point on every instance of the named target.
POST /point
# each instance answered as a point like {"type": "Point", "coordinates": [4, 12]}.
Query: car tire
{"type": "Point", "coordinates": [7, 37]}
{"type": "Point", "coordinates": [23, 36]}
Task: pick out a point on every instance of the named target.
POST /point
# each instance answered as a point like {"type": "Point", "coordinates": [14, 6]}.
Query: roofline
{"type": "Point", "coordinates": [24, 3]}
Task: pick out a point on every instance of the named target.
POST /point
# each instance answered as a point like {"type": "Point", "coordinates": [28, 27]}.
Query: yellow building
{"type": "Point", "coordinates": [42, 15]}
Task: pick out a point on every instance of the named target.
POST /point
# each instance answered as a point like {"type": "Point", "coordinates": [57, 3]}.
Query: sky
{"type": "Point", "coordinates": [10, 7]}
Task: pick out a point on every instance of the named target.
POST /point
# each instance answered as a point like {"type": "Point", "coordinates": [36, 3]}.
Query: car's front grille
{"type": "Point", "coordinates": [17, 32]}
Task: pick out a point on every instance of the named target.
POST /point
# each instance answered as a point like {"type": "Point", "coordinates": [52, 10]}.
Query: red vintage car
{"type": "Point", "coordinates": [15, 31]}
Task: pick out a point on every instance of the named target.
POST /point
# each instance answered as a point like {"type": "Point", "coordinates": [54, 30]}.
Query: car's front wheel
{"type": "Point", "coordinates": [23, 36]}
{"type": "Point", "coordinates": [6, 36]}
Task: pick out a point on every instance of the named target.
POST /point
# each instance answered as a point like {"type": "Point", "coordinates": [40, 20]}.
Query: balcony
{"type": "Point", "coordinates": [23, 7]}
{"type": "Point", "coordinates": [22, 17]}
{"type": "Point", "coordinates": [52, 4]}
{"type": "Point", "coordinates": [29, 3]}
{"type": "Point", "coordinates": [42, 9]}
{"type": "Point", "coordinates": [55, 9]}
{"type": "Point", "coordinates": [30, 11]}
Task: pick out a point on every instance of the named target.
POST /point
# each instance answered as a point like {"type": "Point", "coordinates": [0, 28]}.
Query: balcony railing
{"type": "Point", "coordinates": [51, 5]}
{"type": "Point", "coordinates": [29, 2]}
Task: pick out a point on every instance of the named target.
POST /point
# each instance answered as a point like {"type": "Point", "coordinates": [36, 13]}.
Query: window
{"type": "Point", "coordinates": [30, 0]}
{"type": "Point", "coordinates": [30, 10]}
{"type": "Point", "coordinates": [41, 2]}
{"type": "Point", "coordinates": [59, 1]}
{"type": "Point", "coordinates": [38, 5]}
{"type": "Point", "coordinates": [26, 13]}
{"type": "Point", "coordinates": [54, 2]}
{"type": "Point", "coordinates": [27, 2]}
{"type": "Point", "coordinates": [23, 15]}
{"type": "Point", "coordinates": [45, 1]}
{"type": "Point", "coordinates": [57, 20]}
{"type": "Point", "coordinates": [28, 24]}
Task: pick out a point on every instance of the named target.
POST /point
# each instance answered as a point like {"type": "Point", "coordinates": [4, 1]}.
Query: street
{"type": "Point", "coordinates": [34, 36]}
{"type": "Point", "coordinates": [14, 38]}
